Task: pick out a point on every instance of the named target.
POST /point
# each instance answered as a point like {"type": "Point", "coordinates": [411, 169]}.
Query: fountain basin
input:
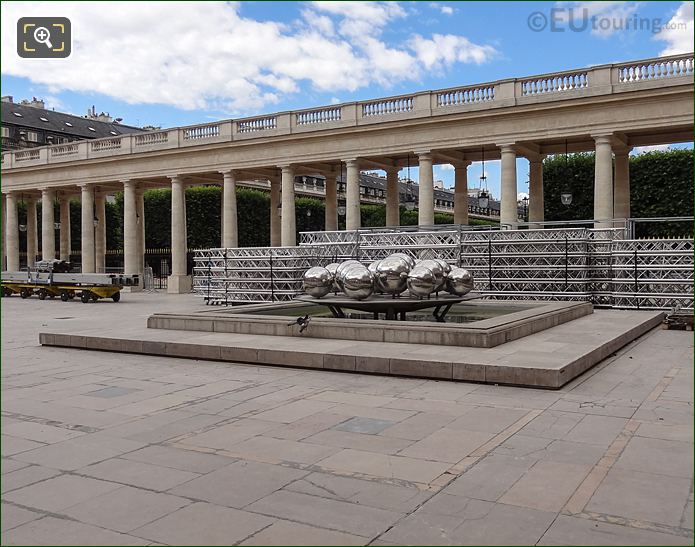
{"type": "Point", "coordinates": [482, 324]}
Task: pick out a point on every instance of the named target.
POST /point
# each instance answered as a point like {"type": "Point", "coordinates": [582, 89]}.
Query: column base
{"type": "Point", "coordinates": [179, 284]}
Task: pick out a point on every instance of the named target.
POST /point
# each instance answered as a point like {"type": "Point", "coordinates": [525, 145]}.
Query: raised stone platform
{"type": "Point", "coordinates": [266, 319]}
{"type": "Point", "coordinates": [546, 359]}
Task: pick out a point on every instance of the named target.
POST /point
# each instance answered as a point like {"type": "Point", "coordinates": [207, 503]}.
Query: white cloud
{"type": "Point", "coordinates": [443, 8]}
{"type": "Point", "coordinates": [208, 55]}
{"type": "Point", "coordinates": [678, 32]}
{"type": "Point", "coordinates": [448, 49]}
{"type": "Point", "coordinates": [446, 167]}
{"type": "Point", "coordinates": [602, 18]}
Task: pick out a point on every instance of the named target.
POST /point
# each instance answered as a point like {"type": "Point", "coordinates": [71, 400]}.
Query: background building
{"type": "Point", "coordinates": [28, 124]}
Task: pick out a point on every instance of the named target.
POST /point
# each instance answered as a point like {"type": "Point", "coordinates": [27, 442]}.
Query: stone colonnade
{"type": "Point", "coordinates": [611, 198]}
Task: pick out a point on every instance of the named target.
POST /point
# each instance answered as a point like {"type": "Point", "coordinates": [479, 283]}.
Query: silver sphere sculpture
{"type": "Point", "coordinates": [438, 272]}
{"type": "Point", "coordinates": [318, 282]}
{"type": "Point", "coordinates": [332, 267]}
{"type": "Point", "coordinates": [341, 268]}
{"type": "Point", "coordinates": [358, 282]}
{"type": "Point", "coordinates": [421, 281]}
{"type": "Point", "coordinates": [409, 259]}
{"type": "Point", "coordinates": [459, 281]}
{"type": "Point", "coordinates": [445, 265]}
{"type": "Point", "coordinates": [392, 274]}
{"type": "Point", "coordinates": [372, 268]}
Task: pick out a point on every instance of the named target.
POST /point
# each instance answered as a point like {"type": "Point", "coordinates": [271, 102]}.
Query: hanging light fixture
{"type": "Point", "coordinates": [566, 194]}
{"type": "Point", "coordinates": [483, 194]}
{"type": "Point", "coordinates": [22, 227]}
{"type": "Point", "coordinates": [56, 225]}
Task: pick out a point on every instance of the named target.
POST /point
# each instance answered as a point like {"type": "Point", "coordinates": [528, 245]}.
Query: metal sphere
{"type": "Point", "coordinates": [332, 267]}
{"type": "Point", "coordinates": [438, 272]}
{"type": "Point", "coordinates": [392, 274]}
{"type": "Point", "coordinates": [341, 268]}
{"type": "Point", "coordinates": [445, 265]}
{"type": "Point", "coordinates": [372, 268]}
{"type": "Point", "coordinates": [459, 281]}
{"type": "Point", "coordinates": [421, 281]}
{"type": "Point", "coordinates": [318, 282]}
{"type": "Point", "coordinates": [358, 282]}
{"type": "Point", "coordinates": [409, 259]}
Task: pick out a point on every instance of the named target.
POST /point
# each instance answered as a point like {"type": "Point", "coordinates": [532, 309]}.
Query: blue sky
{"type": "Point", "coordinates": [176, 63]}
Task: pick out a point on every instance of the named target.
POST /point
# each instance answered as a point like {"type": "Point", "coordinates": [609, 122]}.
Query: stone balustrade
{"type": "Point", "coordinates": [604, 79]}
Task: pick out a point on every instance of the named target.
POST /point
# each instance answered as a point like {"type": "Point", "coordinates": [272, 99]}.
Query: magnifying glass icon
{"type": "Point", "coordinates": [43, 36]}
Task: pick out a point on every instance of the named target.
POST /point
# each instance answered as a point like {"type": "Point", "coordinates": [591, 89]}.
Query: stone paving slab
{"type": "Point", "coordinates": [531, 361]}
{"type": "Point", "coordinates": [605, 459]}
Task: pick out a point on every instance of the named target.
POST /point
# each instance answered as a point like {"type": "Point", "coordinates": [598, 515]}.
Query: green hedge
{"type": "Point", "coordinates": [661, 185]}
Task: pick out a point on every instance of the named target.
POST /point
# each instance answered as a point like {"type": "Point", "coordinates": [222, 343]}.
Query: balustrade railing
{"type": "Point", "coordinates": [656, 69]}
{"type": "Point", "coordinates": [64, 150]}
{"type": "Point", "coordinates": [554, 84]}
{"type": "Point", "coordinates": [201, 132]}
{"type": "Point", "coordinates": [257, 124]}
{"type": "Point", "coordinates": [466, 95]}
{"type": "Point", "coordinates": [321, 115]}
{"type": "Point", "coordinates": [388, 106]}
{"type": "Point", "coordinates": [27, 155]}
{"type": "Point", "coordinates": [148, 139]}
{"type": "Point", "coordinates": [106, 144]}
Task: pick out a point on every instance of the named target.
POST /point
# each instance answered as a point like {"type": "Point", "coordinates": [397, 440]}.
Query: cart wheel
{"type": "Point", "coordinates": [24, 293]}
{"type": "Point", "coordinates": [95, 297]}
{"type": "Point", "coordinates": [64, 296]}
{"type": "Point", "coordinates": [42, 294]}
{"type": "Point", "coordinates": [85, 296]}
{"type": "Point", "coordinates": [116, 297]}
{"type": "Point", "coordinates": [71, 294]}
{"type": "Point", "coordinates": [6, 292]}
{"type": "Point", "coordinates": [51, 296]}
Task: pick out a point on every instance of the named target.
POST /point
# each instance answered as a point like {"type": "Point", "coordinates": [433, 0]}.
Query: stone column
{"type": "Point", "coordinates": [508, 205]}
{"type": "Point", "coordinates": [331, 223]}
{"type": "Point", "coordinates": [100, 233]}
{"type": "Point", "coordinates": [426, 197]}
{"type": "Point", "coordinates": [130, 228]}
{"type": "Point", "coordinates": [393, 213]}
{"type": "Point", "coordinates": [48, 241]}
{"type": "Point", "coordinates": [12, 233]}
{"type": "Point", "coordinates": [87, 245]}
{"type": "Point", "coordinates": [353, 219]}
{"type": "Point", "coordinates": [461, 193]}
{"type": "Point", "coordinates": [179, 281]}
{"type": "Point", "coordinates": [65, 229]}
{"type": "Point", "coordinates": [32, 236]}
{"type": "Point", "coordinates": [536, 204]}
{"type": "Point", "coordinates": [288, 220]}
{"type": "Point", "coordinates": [603, 182]}
{"type": "Point", "coordinates": [230, 234]}
{"type": "Point", "coordinates": [140, 195]}
{"type": "Point", "coordinates": [2, 225]}
{"type": "Point", "coordinates": [275, 195]}
{"type": "Point", "coordinates": [621, 199]}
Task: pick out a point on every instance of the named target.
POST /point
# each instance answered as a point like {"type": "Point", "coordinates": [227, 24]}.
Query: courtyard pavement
{"type": "Point", "coordinates": [102, 448]}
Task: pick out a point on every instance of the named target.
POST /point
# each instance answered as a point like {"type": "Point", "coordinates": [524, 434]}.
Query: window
{"type": "Point", "coordinates": [68, 124]}
{"type": "Point", "coordinates": [43, 119]}
{"type": "Point", "coordinates": [113, 132]}
{"type": "Point", "coordinates": [5, 131]}
{"type": "Point", "coordinates": [91, 129]}
{"type": "Point", "coordinates": [32, 136]}
{"type": "Point", "coordinates": [17, 114]}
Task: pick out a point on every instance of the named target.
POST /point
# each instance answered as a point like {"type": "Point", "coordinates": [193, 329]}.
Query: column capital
{"type": "Point", "coordinates": [622, 150]}
{"type": "Point", "coordinates": [129, 183]}
{"type": "Point", "coordinates": [424, 154]}
{"type": "Point", "coordinates": [86, 185]}
{"type": "Point", "coordinates": [228, 172]}
{"type": "Point", "coordinates": [605, 138]}
{"type": "Point", "coordinates": [351, 162]}
{"type": "Point", "coordinates": [394, 169]}
{"type": "Point", "coordinates": [507, 148]}
{"type": "Point", "coordinates": [463, 164]}
{"type": "Point", "coordinates": [175, 177]}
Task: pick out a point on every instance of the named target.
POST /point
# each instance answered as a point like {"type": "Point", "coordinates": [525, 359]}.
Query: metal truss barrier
{"type": "Point", "coordinates": [595, 265]}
